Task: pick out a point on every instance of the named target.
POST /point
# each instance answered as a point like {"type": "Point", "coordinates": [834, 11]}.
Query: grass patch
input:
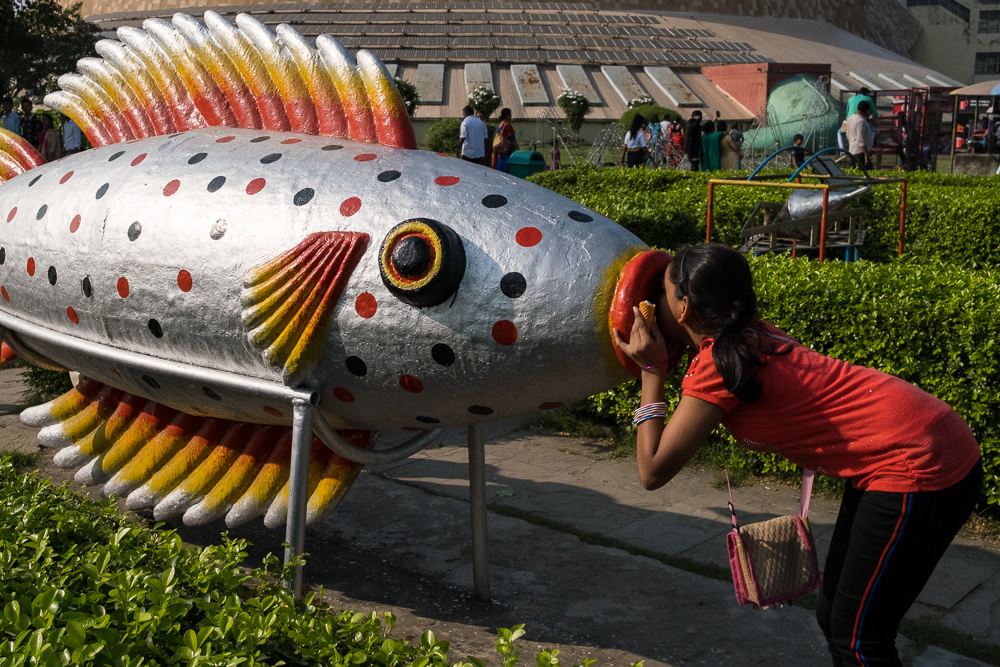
{"type": "Point", "coordinates": [20, 460]}
{"type": "Point", "coordinates": [614, 441]}
{"type": "Point", "coordinates": [927, 631]}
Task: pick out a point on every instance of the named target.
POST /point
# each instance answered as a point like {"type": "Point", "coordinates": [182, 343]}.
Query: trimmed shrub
{"type": "Point", "coordinates": [934, 325]}
{"type": "Point", "coordinates": [442, 136]}
{"type": "Point", "coordinates": [647, 111]}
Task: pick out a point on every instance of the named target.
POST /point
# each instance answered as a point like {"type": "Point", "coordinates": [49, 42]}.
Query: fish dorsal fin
{"type": "Point", "coordinates": [16, 156]}
{"type": "Point", "coordinates": [183, 74]}
{"type": "Point", "coordinates": [178, 464]}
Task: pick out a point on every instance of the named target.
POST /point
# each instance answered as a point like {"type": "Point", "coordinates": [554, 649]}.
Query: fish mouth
{"type": "Point", "coordinates": [634, 282]}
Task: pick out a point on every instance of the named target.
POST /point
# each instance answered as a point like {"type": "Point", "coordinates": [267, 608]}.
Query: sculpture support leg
{"type": "Point", "coordinates": [298, 488]}
{"type": "Point", "coordinates": [477, 502]}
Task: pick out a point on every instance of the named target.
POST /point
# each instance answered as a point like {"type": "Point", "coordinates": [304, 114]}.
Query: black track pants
{"type": "Point", "coordinates": [884, 548]}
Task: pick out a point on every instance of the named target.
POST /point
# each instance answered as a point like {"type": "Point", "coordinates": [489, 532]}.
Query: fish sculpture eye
{"type": "Point", "coordinates": [422, 262]}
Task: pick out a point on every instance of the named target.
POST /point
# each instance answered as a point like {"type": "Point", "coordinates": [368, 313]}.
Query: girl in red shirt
{"type": "Point", "coordinates": [911, 463]}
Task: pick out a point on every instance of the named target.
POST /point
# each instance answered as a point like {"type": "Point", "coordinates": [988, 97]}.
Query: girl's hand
{"type": "Point", "coordinates": [646, 345]}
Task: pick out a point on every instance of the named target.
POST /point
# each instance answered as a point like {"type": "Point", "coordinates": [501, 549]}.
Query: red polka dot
{"type": "Point", "coordinates": [255, 186]}
{"type": "Point", "coordinates": [504, 332]}
{"type": "Point", "coordinates": [3, 291]}
{"type": "Point", "coordinates": [366, 305]}
{"type": "Point", "coordinates": [66, 177]}
{"type": "Point", "coordinates": [13, 212]}
{"type": "Point", "coordinates": [291, 141]}
{"type": "Point", "coordinates": [74, 224]}
{"type": "Point", "coordinates": [31, 266]}
{"type": "Point", "coordinates": [171, 187]}
{"type": "Point", "coordinates": [365, 157]}
{"type": "Point", "coordinates": [446, 180]}
{"type": "Point", "coordinates": [73, 317]}
{"type": "Point", "coordinates": [350, 206]}
{"type": "Point", "coordinates": [551, 405]}
{"type": "Point", "coordinates": [528, 236]}
{"type": "Point", "coordinates": [411, 384]}
{"type": "Point", "coordinates": [225, 140]}
{"type": "Point", "coordinates": [123, 287]}
{"type": "Point", "coordinates": [343, 395]}
{"type": "Point", "coordinates": [184, 280]}
{"type": "Point", "coordinates": [275, 412]}
{"type": "Point", "coordinates": [138, 159]}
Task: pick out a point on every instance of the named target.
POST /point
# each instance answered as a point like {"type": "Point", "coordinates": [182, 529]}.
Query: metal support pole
{"type": "Point", "coordinates": [298, 488]}
{"type": "Point", "coordinates": [902, 216]}
{"type": "Point", "coordinates": [708, 221]}
{"type": "Point", "coordinates": [477, 502]}
{"type": "Point", "coordinates": [822, 224]}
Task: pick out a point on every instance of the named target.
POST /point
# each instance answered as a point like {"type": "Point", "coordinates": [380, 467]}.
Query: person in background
{"type": "Point", "coordinates": [505, 141]}
{"type": "Point", "coordinates": [31, 125]}
{"type": "Point", "coordinates": [635, 147]}
{"type": "Point", "coordinates": [730, 159]}
{"type": "Point", "coordinates": [49, 143]}
{"type": "Point", "coordinates": [692, 140]}
{"type": "Point", "coordinates": [676, 147]}
{"type": "Point", "coordinates": [472, 137]}
{"type": "Point", "coordinates": [863, 95]}
{"type": "Point", "coordinates": [711, 150]}
{"type": "Point", "coordinates": [71, 137]}
{"type": "Point", "coordinates": [911, 465]}
{"type": "Point", "coordinates": [555, 158]}
{"type": "Point", "coordinates": [488, 158]}
{"type": "Point", "coordinates": [737, 136]}
{"type": "Point", "coordinates": [798, 151]}
{"type": "Point", "coordinates": [653, 139]}
{"type": "Point", "coordinates": [11, 121]}
{"type": "Point", "coordinates": [860, 137]}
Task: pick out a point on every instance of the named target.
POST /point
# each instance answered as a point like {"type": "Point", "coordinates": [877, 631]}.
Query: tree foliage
{"type": "Point", "coordinates": [39, 40]}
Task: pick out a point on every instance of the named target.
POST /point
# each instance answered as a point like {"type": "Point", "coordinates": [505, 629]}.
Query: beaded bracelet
{"type": "Point", "coordinates": [649, 411]}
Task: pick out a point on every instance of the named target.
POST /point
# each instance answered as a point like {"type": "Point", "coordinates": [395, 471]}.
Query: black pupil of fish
{"type": "Point", "coordinates": [411, 256]}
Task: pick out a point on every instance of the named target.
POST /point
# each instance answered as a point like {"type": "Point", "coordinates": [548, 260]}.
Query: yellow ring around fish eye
{"type": "Point", "coordinates": [422, 262]}
{"type": "Point", "coordinates": [423, 252]}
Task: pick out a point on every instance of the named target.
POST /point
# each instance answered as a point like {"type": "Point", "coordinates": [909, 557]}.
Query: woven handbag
{"type": "Point", "coordinates": [773, 561]}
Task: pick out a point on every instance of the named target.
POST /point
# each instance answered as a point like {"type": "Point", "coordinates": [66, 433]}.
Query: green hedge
{"type": "Point", "coordinates": [934, 325]}
{"type": "Point", "coordinates": [949, 218]}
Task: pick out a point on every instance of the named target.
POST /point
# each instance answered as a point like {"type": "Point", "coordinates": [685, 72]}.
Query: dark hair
{"type": "Point", "coordinates": [864, 106]}
{"type": "Point", "coordinates": [505, 113]}
{"type": "Point", "coordinates": [708, 127]}
{"type": "Point", "coordinates": [467, 110]}
{"type": "Point", "coordinates": [720, 126]}
{"type": "Point", "coordinates": [696, 113]}
{"type": "Point", "coordinates": [717, 282]}
{"type": "Point", "coordinates": [864, 90]}
{"type": "Point", "coordinates": [637, 122]}
{"type": "Point", "coordinates": [797, 137]}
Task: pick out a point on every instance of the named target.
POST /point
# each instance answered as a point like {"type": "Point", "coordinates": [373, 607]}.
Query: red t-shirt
{"type": "Point", "coordinates": [880, 432]}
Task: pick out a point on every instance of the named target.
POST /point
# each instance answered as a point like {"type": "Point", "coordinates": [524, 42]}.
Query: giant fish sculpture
{"type": "Point", "coordinates": [255, 209]}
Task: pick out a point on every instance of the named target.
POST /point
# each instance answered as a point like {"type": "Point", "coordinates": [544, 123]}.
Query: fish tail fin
{"type": "Point", "coordinates": [16, 156]}
{"type": "Point", "coordinates": [240, 75]}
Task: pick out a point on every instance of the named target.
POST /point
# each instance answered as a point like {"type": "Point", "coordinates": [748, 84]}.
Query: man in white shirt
{"type": "Point", "coordinates": [71, 137]}
{"type": "Point", "coordinates": [860, 137]}
{"type": "Point", "coordinates": [472, 137]}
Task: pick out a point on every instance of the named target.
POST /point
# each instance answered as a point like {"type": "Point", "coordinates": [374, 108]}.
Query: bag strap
{"type": "Point", "coordinates": [732, 510]}
{"type": "Point", "coordinates": [807, 487]}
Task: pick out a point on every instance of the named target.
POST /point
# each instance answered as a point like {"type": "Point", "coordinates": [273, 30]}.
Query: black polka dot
{"type": "Point", "coordinates": [387, 176]}
{"type": "Point", "coordinates": [197, 157]}
{"type": "Point", "coordinates": [218, 229]}
{"type": "Point", "coordinates": [216, 183]}
{"type": "Point", "coordinates": [134, 230]}
{"type": "Point", "coordinates": [41, 212]}
{"type": "Point", "coordinates": [513, 285]}
{"type": "Point", "coordinates": [332, 147]}
{"type": "Point", "coordinates": [357, 366]}
{"type": "Point", "coordinates": [428, 420]}
{"type": "Point", "coordinates": [268, 159]}
{"type": "Point", "coordinates": [480, 410]}
{"type": "Point", "coordinates": [443, 354]}
{"type": "Point", "coordinates": [211, 394]}
{"type": "Point", "coordinates": [155, 328]}
{"type": "Point", "coordinates": [580, 217]}
{"type": "Point", "coordinates": [103, 190]}
{"type": "Point", "coordinates": [52, 275]}
{"type": "Point", "coordinates": [151, 382]}
{"type": "Point", "coordinates": [116, 156]}
{"type": "Point", "coordinates": [3, 255]}
{"type": "Point", "coordinates": [88, 289]}
{"type": "Point", "coordinates": [34, 180]}
{"type": "Point", "coordinates": [303, 196]}
{"type": "Point", "coordinates": [494, 201]}
{"type": "Point", "coordinates": [257, 140]}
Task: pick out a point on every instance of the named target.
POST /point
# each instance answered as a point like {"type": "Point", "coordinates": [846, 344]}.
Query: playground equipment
{"type": "Point", "coordinates": [817, 215]}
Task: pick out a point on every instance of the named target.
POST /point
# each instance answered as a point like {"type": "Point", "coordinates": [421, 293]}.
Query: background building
{"type": "Point", "coordinates": [961, 38]}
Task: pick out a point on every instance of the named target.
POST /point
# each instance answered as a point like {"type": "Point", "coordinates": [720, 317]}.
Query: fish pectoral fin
{"type": "Point", "coordinates": [290, 336]}
{"type": "Point", "coordinates": [203, 468]}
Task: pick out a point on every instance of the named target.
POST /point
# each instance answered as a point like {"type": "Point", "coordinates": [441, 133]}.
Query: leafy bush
{"type": "Point", "coordinates": [442, 136]}
{"type": "Point", "coordinates": [936, 326]}
{"type": "Point", "coordinates": [484, 100]}
{"type": "Point", "coordinates": [647, 111]}
{"type": "Point", "coordinates": [43, 385]}
{"type": "Point", "coordinates": [575, 105]}
{"type": "Point", "coordinates": [82, 585]}
{"type": "Point", "coordinates": [411, 96]}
